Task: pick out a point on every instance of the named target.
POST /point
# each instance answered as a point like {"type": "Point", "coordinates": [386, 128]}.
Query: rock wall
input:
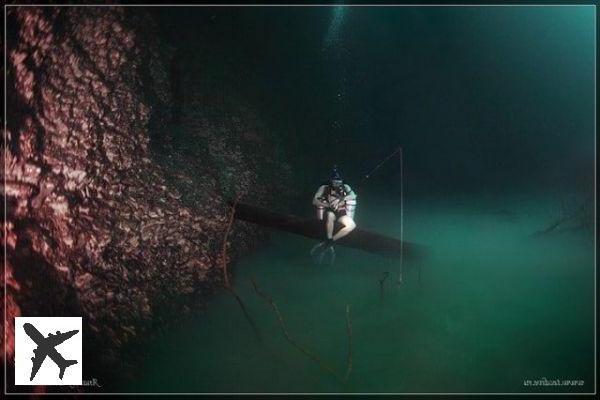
{"type": "Point", "coordinates": [114, 213]}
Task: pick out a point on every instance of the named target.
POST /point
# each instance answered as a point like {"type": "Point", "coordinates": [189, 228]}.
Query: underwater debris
{"type": "Point", "coordinates": [577, 218]}
{"type": "Point", "coordinates": [349, 328]}
{"type": "Point", "coordinates": [382, 280]}
{"type": "Point", "coordinates": [304, 350]}
{"type": "Point", "coordinates": [226, 282]}
{"type": "Point", "coordinates": [227, 229]}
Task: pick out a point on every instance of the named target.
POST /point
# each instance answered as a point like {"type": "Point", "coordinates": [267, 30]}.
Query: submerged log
{"type": "Point", "coordinates": [315, 229]}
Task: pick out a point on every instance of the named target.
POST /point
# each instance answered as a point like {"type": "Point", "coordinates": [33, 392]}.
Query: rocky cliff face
{"type": "Point", "coordinates": [115, 213]}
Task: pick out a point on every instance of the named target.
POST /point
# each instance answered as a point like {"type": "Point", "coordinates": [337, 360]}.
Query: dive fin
{"type": "Point", "coordinates": [319, 251]}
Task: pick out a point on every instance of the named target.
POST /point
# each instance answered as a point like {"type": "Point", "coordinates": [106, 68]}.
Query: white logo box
{"type": "Point", "coordinates": [70, 350]}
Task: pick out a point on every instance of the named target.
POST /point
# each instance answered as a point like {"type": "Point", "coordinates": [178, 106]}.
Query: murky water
{"type": "Point", "coordinates": [494, 307]}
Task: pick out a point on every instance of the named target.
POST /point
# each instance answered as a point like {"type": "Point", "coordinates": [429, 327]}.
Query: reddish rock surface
{"type": "Point", "coordinates": [111, 215]}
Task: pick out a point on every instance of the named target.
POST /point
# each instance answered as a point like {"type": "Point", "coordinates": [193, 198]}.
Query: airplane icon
{"type": "Point", "coordinates": [46, 347]}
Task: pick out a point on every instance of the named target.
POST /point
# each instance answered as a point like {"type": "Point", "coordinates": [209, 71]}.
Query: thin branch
{"type": "Point", "coordinates": [223, 257]}
{"type": "Point", "coordinates": [381, 282]}
{"type": "Point", "coordinates": [287, 336]}
{"type": "Point", "coordinates": [349, 329]}
{"type": "Point", "coordinates": [226, 282]}
{"type": "Point", "coordinates": [246, 314]}
{"type": "Point", "coordinates": [565, 218]}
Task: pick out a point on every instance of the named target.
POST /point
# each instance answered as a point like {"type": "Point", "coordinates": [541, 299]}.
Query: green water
{"type": "Point", "coordinates": [481, 99]}
{"type": "Point", "coordinates": [494, 307]}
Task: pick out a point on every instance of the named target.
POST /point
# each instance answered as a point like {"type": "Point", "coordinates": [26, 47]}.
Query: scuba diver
{"type": "Point", "coordinates": [334, 201]}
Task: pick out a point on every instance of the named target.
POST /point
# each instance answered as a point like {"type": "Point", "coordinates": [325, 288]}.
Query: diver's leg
{"type": "Point", "coordinates": [319, 250]}
{"type": "Point", "coordinates": [330, 221]}
{"type": "Point", "coordinates": [349, 225]}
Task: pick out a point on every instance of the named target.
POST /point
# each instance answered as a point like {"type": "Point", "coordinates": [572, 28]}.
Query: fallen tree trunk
{"type": "Point", "coordinates": [315, 229]}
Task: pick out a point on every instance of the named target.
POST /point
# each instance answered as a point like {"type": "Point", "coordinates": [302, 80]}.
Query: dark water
{"type": "Point", "coordinates": [494, 307]}
{"type": "Point", "coordinates": [494, 108]}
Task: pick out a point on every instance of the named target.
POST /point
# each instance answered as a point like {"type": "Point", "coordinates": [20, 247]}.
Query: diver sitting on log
{"type": "Point", "coordinates": [334, 201]}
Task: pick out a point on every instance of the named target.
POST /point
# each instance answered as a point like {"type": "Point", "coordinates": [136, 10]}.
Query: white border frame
{"type": "Point", "coordinates": [311, 5]}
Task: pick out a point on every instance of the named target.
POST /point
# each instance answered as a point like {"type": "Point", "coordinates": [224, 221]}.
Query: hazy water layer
{"type": "Point", "coordinates": [495, 307]}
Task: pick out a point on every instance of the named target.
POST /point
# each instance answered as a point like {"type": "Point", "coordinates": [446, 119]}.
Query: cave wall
{"type": "Point", "coordinates": [217, 142]}
{"type": "Point", "coordinates": [116, 205]}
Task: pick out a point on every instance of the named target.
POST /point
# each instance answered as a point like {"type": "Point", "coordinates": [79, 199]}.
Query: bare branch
{"type": "Point", "coordinates": [349, 329]}
{"type": "Point", "coordinates": [226, 283]}
{"type": "Point", "coordinates": [287, 336]}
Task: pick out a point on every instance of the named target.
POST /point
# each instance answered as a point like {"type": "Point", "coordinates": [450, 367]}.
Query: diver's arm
{"type": "Point", "coordinates": [350, 202]}
{"type": "Point", "coordinates": [317, 201]}
{"type": "Point", "coordinates": [351, 195]}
